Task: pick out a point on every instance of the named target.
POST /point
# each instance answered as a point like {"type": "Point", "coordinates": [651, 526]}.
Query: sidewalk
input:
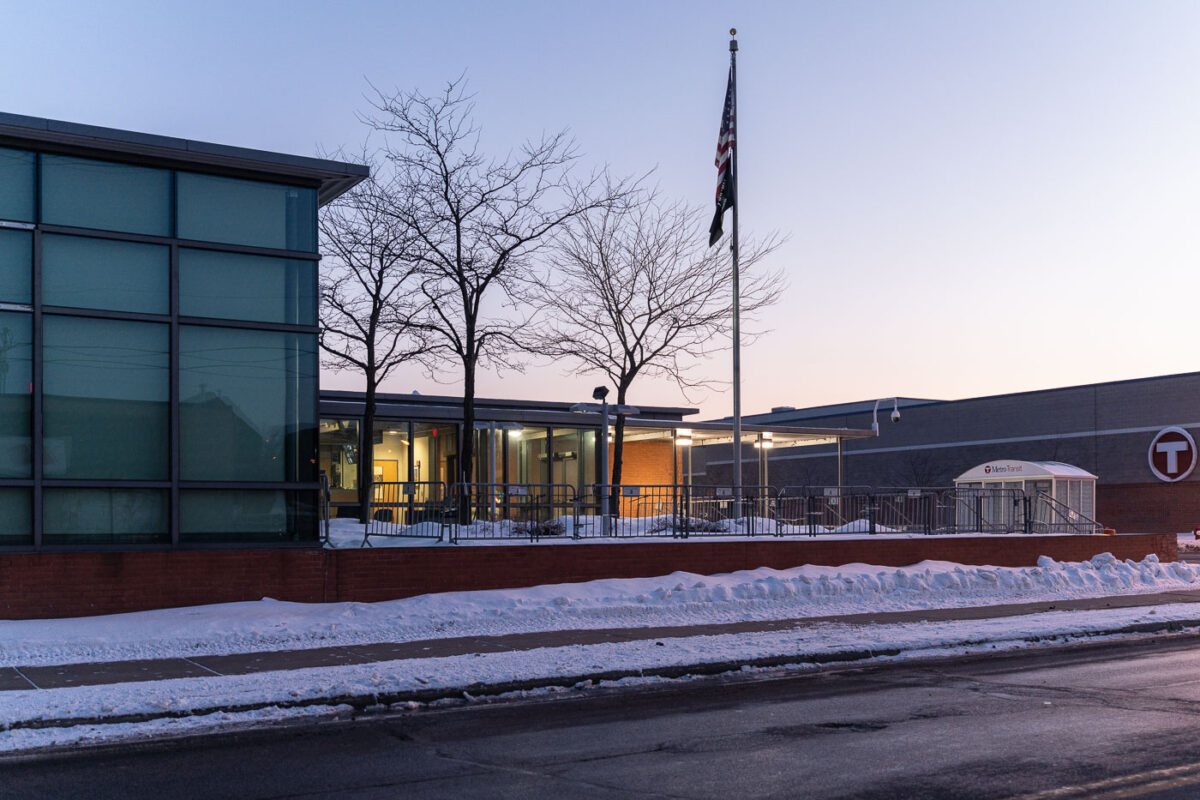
{"type": "Point", "coordinates": [111, 679]}
{"type": "Point", "coordinates": [122, 672]}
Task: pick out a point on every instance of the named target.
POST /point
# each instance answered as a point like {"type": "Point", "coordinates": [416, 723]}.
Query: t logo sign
{"type": "Point", "coordinates": [1172, 454]}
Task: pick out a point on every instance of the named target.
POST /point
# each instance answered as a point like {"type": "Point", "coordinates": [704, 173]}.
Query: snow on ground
{"type": "Point", "coordinates": [1188, 543]}
{"type": "Point", "coordinates": [680, 598]}
{"type": "Point", "coordinates": [94, 704]}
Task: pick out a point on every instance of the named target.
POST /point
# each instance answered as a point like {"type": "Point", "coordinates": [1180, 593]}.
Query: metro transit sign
{"type": "Point", "coordinates": [1172, 454]}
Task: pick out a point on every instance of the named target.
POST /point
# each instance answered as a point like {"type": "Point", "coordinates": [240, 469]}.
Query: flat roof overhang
{"type": "Point", "coordinates": [706, 433]}
{"type": "Point", "coordinates": [537, 414]}
{"type": "Point", "coordinates": [329, 178]}
{"type": "Point", "coordinates": [448, 407]}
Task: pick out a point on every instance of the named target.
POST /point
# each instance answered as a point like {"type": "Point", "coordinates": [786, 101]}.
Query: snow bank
{"type": "Point", "coordinates": [680, 598]}
{"type": "Point", "coordinates": [1188, 543]}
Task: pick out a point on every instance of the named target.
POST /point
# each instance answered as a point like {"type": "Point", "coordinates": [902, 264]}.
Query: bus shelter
{"type": "Point", "coordinates": [1056, 489]}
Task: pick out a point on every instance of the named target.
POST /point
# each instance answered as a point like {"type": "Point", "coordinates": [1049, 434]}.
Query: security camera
{"type": "Point", "coordinates": [599, 393]}
{"type": "Point", "coordinates": [895, 415]}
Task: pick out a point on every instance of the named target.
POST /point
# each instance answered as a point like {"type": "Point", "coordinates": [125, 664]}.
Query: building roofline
{"type": "Point", "coordinates": [449, 409]}
{"type": "Point", "coordinates": [331, 178]}
{"type": "Point", "coordinates": [979, 398]}
{"type": "Point", "coordinates": [485, 402]}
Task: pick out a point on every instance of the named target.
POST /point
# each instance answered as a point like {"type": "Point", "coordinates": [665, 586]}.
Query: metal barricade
{"type": "Point", "coordinates": [324, 504]}
{"type": "Point", "coordinates": [416, 509]}
{"type": "Point", "coordinates": [677, 510]}
{"type": "Point", "coordinates": [815, 510]}
{"type": "Point", "coordinates": [1053, 516]}
{"type": "Point", "coordinates": [864, 509]}
{"type": "Point", "coordinates": [915, 509]}
{"type": "Point", "coordinates": [988, 510]}
{"type": "Point", "coordinates": [512, 510]}
{"type": "Point", "coordinates": [473, 511]}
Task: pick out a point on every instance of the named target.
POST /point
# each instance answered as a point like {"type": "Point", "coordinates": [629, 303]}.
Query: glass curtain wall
{"type": "Point", "coordinates": [391, 452]}
{"type": "Point", "coordinates": [423, 452]}
{"type": "Point", "coordinates": [339, 458]}
{"type": "Point", "coordinates": [158, 368]}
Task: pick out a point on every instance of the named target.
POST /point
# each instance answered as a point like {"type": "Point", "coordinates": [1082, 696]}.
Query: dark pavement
{"type": "Point", "coordinates": [1103, 720]}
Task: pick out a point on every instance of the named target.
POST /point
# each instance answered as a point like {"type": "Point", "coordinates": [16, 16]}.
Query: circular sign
{"type": "Point", "coordinates": [1172, 454]}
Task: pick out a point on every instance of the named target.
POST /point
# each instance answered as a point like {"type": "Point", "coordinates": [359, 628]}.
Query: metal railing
{"type": "Point", "coordinates": [823, 509]}
{"type": "Point", "coordinates": [323, 500]}
{"type": "Point", "coordinates": [512, 510]}
{"type": "Point", "coordinates": [473, 511]}
{"type": "Point", "coordinates": [1055, 516]}
{"type": "Point", "coordinates": [410, 509]}
{"type": "Point", "coordinates": [863, 509]}
{"type": "Point", "coordinates": [678, 510]}
{"type": "Point", "coordinates": [982, 510]}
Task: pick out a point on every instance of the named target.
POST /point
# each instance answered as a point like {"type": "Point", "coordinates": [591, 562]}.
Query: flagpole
{"type": "Point", "coordinates": [737, 339]}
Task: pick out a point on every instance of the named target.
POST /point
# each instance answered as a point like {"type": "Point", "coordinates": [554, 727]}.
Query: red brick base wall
{"type": "Point", "coordinates": [1149, 507]}
{"type": "Point", "coordinates": [42, 585]}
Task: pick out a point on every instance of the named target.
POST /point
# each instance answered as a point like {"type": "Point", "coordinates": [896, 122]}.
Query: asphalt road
{"type": "Point", "coordinates": [1107, 721]}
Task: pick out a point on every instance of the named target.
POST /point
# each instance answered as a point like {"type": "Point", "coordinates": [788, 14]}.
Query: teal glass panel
{"type": "Point", "coordinates": [234, 286]}
{"type": "Point", "coordinates": [106, 195]}
{"type": "Point", "coordinates": [16, 266]}
{"type": "Point", "coordinates": [104, 516]}
{"type": "Point", "coordinates": [247, 515]}
{"type": "Point", "coordinates": [102, 273]}
{"type": "Point", "coordinates": [105, 398]}
{"type": "Point", "coordinates": [247, 406]}
{"type": "Point", "coordinates": [16, 394]}
{"type": "Point", "coordinates": [234, 211]}
{"type": "Point", "coordinates": [16, 185]}
{"type": "Point", "coordinates": [16, 520]}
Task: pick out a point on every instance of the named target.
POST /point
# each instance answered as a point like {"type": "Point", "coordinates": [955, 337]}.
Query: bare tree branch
{"type": "Point", "coordinates": [638, 293]}
{"type": "Point", "coordinates": [370, 321]}
{"type": "Point", "coordinates": [475, 224]}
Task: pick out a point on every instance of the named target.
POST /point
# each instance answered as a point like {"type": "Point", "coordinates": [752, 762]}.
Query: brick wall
{"type": "Point", "coordinates": [1153, 507]}
{"type": "Point", "coordinates": [41, 585]}
{"type": "Point", "coordinates": [36, 585]}
{"type": "Point", "coordinates": [645, 463]}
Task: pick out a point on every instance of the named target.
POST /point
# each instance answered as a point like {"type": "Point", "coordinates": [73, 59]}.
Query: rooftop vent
{"type": "Point", "coordinates": [780, 409]}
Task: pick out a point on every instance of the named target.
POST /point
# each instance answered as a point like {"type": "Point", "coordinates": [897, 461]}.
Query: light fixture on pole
{"type": "Point", "coordinates": [604, 409]}
{"type": "Point", "coordinates": [683, 438]}
{"type": "Point", "coordinates": [875, 413]}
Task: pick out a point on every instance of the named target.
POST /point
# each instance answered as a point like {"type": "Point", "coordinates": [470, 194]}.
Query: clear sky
{"type": "Point", "coordinates": [981, 197]}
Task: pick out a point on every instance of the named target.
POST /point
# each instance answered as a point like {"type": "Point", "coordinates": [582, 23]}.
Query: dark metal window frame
{"type": "Point", "coordinates": [502, 453]}
{"type": "Point", "coordinates": [174, 485]}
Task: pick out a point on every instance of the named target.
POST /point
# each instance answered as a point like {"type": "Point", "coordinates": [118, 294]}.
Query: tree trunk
{"type": "Point", "coordinates": [466, 449]}
{"type": "Point", "coordinates": [618, 453]}
{"type": "Point", "coordinates": [366, 454]}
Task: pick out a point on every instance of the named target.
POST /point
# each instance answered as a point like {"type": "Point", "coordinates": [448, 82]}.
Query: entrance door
{"type": "Point", "coordinates": [387, 471]}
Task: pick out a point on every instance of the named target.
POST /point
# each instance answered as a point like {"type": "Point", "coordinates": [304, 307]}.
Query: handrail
{"type": "Point", "coordinates": [504, 510]}
{"type": "Point", "coordinates": [1068, 515]}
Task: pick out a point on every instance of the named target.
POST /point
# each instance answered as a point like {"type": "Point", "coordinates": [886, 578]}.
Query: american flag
{"type": "Point", "coordinates": [725, 176]}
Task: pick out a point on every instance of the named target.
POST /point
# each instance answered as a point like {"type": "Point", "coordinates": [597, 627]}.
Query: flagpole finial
{"type": "Point", "coordinates": [732, 42]}
{"type": "Point", "coordinates": [733, 31]}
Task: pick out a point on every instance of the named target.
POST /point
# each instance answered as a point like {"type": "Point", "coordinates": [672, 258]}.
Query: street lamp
{"type": "Point", "coordinates": [604, 409]}
{"type": "Point", "coordinates": [683, 438]}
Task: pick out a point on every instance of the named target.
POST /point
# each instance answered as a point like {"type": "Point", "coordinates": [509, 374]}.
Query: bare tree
{"type": "Point", "coordinates": [476, 222]}
{"type": "Point", "coordinates": [369, 322]}
{"type": "Point", "coordinates": [639, 293]}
